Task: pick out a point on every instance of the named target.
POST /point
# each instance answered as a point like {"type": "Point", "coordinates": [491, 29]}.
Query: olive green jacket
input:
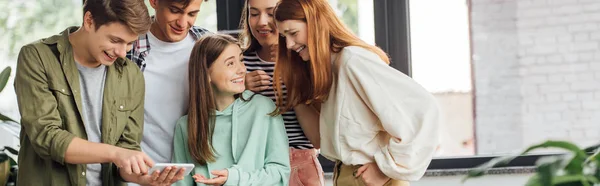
{"type": "Point", "coordinates": [49, 98]}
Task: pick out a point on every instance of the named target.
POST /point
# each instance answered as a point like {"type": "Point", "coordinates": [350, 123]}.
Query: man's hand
{"type": "Point", "coordinates": [169, 176]}
{"type": "Point", "coordinates": [131, 161]}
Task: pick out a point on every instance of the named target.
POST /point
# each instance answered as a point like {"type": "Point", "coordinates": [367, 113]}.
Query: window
{"type": "Point", "coordinates": [24, 22]}
{"type": "Point", "coordinates": [440, 62]}
{"type": "Point", "coordinates": [355, 13]}
{"type": "Point", "coordinates": [509, 74]}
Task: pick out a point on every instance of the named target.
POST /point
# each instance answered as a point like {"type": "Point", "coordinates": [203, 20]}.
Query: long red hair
{"type": "Point", "coordinates": [310, 82]}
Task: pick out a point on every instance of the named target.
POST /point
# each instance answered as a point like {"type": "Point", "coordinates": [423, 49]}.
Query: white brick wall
{"type": "Point", "coordinates": [537, 72]}
{"type": "Point", "coordinates": [497, 86]}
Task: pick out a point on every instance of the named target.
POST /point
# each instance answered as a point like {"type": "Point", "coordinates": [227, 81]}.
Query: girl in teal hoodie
{"type": "Point", "coordinates": [228, 133]}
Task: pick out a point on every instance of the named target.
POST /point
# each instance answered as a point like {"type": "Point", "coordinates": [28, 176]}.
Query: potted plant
{"type": "Point", "coordinates": [4, 75]}
{"type": "Point", "coordinates": [6, 162]}
{"type": "Point", "coordinates": [578, 167]}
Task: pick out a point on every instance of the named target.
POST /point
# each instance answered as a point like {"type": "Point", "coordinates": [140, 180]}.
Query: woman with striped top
{"type": "Point", "coordinates": [259, 39]}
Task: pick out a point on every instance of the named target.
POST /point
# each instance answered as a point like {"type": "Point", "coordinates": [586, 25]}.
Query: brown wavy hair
{"type": "Point", "coordinates": [131, 13]}
{"type": "Point", "coordinates": [248, 42]}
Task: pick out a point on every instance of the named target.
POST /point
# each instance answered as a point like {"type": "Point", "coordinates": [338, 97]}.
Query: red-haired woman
{"type": "Point", "coordinates": [378, 124]}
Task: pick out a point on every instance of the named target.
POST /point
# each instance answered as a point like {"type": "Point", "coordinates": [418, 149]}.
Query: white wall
{"type": "Point", "coordinates": [537, 72]}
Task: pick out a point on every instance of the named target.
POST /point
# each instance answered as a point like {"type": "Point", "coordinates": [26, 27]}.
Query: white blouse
{"type": "Point", "coordinates": [375, 113]}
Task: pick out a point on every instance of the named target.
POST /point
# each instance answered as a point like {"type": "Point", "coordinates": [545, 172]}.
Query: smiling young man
{"type": "Point", "coordinates": [82, 102]}
{"type": "Point", "coordinates": [162, 55]}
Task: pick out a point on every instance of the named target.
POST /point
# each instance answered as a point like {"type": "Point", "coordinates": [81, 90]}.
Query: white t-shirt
{"type": "Point", "coordinates": [166, 94]}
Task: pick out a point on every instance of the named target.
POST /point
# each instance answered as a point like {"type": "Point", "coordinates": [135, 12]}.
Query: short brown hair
{"type": "Point", "coordinates": [132, 13]}
{"type": "Point", "coordinates": [185, 3]}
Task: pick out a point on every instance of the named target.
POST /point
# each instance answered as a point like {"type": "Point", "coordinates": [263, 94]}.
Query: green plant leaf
{"type": "Point", "coordinates": [4, 75]}
{"type": "Point", "coordinates": [575, 166]}
{"type": "Point", "coordinates": [559, 144]}
{"type": "Point", "coordinates": [573, 180]}
{"type": "Point", "coordinates": [597, 174]}
{"type": "Point", "coordinates": [594, 157]}
{"type": "Point", "coordinates": [12, 162]}
{"type": "Point", "coordinates": [592, 148]}
{"type": "Point", "coordinates": [3, 157]}
{"type": "Point", "coordinates": [534, 181]}
{"type": "Point", "coordinates": [11, 150]}
{"type": "Point", "coordinates": [547, 168]}
{"type": "Point", "coordinates": [594, 162]}
{"type": "Point", "coordinates": [592, 179]}
{"type": "Point", "coordinates": [5, 118]}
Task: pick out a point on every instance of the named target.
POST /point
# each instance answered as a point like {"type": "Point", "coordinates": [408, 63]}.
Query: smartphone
{"type": "Point", "coordinates": [161, 166]}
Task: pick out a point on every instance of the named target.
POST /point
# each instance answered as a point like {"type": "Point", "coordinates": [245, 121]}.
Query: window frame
{"type": "Point", "coordinates": [229, 13]}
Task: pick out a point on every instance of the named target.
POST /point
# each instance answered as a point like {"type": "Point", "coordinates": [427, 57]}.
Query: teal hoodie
{"type": "Point", "coordinates": [248, 142]}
